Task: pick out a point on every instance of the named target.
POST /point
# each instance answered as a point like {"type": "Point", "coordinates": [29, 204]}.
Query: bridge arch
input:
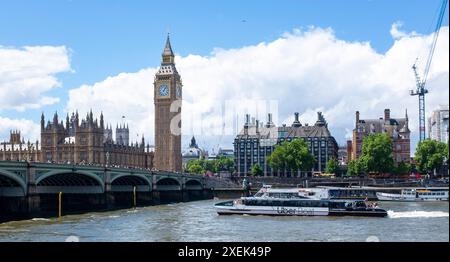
{"type": "Point", "coordinates": [59, 172]}
{"type": "Point", "coordinates": [131, 179]}
{"type": "Point", "coordinates": [168, 184]}
{"type": "Point", "coordinates": [126, 182]}
{"type": "Point", "coordinates": [70, 181]}
{"type": "Point", "coordinates": [193, 184]}
{"type": "Point", "coordinates": [12, 180]}
{"type": "Point", "coordinates": [168, 181]}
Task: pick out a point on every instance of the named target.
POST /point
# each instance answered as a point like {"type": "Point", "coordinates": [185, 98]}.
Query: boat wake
{"type": "Point", "coordinates": [393, 214]}
{"type": "Point", "coordinates": [40, 219]}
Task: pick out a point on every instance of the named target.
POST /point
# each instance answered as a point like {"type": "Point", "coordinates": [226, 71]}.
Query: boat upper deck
{"type": "Point", "coordinates": [368, 188]}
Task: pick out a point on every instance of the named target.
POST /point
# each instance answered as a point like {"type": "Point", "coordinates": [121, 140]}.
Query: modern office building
{"type": "Point", "coordinates": [256, 142]}
{"type": "Point", "coordinates": [438, 124]}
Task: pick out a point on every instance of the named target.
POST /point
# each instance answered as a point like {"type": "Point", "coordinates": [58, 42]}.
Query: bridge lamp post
{"type": "Point", "coordinates": [107, 159]}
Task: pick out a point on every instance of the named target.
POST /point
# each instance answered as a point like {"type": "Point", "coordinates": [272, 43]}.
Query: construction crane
{"type": "Point", "coordinates": [420, 83]}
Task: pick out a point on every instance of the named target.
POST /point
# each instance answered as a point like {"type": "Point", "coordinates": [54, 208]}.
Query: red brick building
{"type": "Point", "coordinates": [397, 128]}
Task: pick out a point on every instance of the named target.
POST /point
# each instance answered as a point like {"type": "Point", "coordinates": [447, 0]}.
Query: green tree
{"type": "Point", "coordinates": [216, 165]}
{"type": "Point", "coordinates": [292, 155]}
{"type": "Point", "coordinates": [196, 169]}
{"type": "Point", "coordinates": [192, 162]}
{"type": "Point", "coordinates": [209, 165]}
{"type": "Point", "coordinates": [430, 155]}
{"type": "Point", "coordinates": [403, 168]}
{"type": "Point", "coordinates": [277, 160]}
{"type": "Point", "coordinates": [376, 154]}
{"type": "Point", "coordinates": [354, 168]}
{"type": "Point", "coordinates": [332, 166]}
{"type": "Point", "coordinates": [224, 164]}
{"type": "Point", "coordinates": [257, 170]}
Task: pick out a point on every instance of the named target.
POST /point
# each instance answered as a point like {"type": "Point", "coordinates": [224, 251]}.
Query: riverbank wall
{"type": "Point", "coordinates": [258, 182]}
{"type": "Point", "coordinates": [48, 205]}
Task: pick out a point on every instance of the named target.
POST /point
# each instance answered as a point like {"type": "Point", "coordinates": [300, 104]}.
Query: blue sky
{"type": "Point", "coordinates": [107, 37]}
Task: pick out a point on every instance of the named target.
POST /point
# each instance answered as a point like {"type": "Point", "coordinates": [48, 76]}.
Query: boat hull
{"type": "Point", "coordinates": [272, 211]}
{"type": "Point", "coordinates": [373, 213]}
{"type": "Point", "coordinates": [286, 211]}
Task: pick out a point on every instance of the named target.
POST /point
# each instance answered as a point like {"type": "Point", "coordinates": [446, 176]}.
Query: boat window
{"type": "Point", "coordinates": [273, 203]}
{"type": "Point", "coordinates": [360, 204]}
{"type": "Point", "coordinates": [339, 204]}
{"type": "Point", "coordinates": [249, 202]}
{"type": "Point", "coordinates": [290, 203]}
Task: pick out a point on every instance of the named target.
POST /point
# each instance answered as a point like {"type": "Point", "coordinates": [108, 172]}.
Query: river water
{"type": "Point", "coordinates": [198, 221]}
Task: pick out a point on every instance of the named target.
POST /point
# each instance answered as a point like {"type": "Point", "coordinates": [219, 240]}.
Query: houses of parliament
{"type": "Point", "coordinates": [89, 141]}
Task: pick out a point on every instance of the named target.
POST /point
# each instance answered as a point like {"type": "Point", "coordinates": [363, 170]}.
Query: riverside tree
{"type": "Point", "coordinates": [402, 168]}
{"type": "Point", "coordinates": [216, 165]}
{"type": "Point", "coordinates": [354, 167]}
{"type": "Point", "coordinates": [430, 155]}
{"type": "Point", "coordinates": [377, 154]}
{"type": "Point", "coordinates": [332, 166]}
{"type": "Point", "coordinates": [195, 169]}
{"type": "Point", "coordinates": [294, 156]}
{"type": "Point", "coordinates": [257, 170]}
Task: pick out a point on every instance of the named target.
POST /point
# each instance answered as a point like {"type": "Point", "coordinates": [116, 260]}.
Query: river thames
{"type": "Point", "coordinates": [198, 221]}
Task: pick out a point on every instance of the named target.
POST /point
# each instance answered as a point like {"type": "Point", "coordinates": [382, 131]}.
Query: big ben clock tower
{"type": "Point", "coordinates": [167, 98]}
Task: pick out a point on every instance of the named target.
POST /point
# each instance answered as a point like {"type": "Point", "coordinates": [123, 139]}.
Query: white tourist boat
{"type": "Point", "coordinates": [414, 195]}
{"type": "Point", "coordinates": [296, 202]}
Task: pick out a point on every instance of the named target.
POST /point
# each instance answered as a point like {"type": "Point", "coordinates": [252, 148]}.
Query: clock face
{"type": "Point", "coordinates": [178, 91]}
{"type": "Point", "coordinates": [163, 90]}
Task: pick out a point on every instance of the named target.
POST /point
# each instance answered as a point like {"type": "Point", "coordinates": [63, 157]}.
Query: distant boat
{"type": "Point", "coordinates": [414, 195]}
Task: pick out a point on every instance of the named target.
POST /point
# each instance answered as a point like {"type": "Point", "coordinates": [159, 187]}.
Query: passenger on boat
{"type": "Point", "coordinates": [373, 205]}
{"type": "Point", "coordinates": [246, 187]}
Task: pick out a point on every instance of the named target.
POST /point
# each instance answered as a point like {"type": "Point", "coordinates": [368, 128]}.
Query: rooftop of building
{"type": "Point", "coordinates": [385, 124]}
{"type": "Point", "coordinates": [270, 131]}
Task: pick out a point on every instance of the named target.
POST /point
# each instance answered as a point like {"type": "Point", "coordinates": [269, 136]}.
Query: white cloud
{"type": "Point", "coordinates": [305, 71]}
{"type": "Point", "coordinates": [29, 130]}
{"type": "Point", "coordinates": [396, 33]}
{"type": "Point", "coordinates": [26, 74]}
{"type": "Point", "coordinates": [127, 94]}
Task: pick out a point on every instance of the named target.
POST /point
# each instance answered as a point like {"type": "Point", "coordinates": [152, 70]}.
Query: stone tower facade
{"type": "Point", "coordinates": [167, 99]}
{"type": "Point", "coordinates": [16, 149]}
{"type": "Point", "coordinates": [87, 135]}
{"type": "Point", "coordinates": [122, 135]}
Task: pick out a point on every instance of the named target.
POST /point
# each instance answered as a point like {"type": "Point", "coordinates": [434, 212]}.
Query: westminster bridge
{"type": "Point", "coordinates": [28, 189]}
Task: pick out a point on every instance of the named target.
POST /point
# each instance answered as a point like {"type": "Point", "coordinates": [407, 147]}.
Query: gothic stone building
{"type": "Point", "coordinates": [167, 99]}
{"type": "Point", "coordinates": [16, 149]}
{"type": "Point", "coordinates": [89, 142]}
{"type": "Point", "coordinates": [396, 128]}
{"type": "Point", "coordinates": [256, 142]}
